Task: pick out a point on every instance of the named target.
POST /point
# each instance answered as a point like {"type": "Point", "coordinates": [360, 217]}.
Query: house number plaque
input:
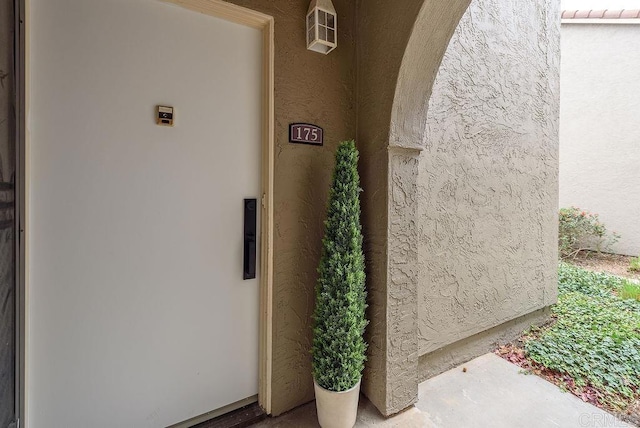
{"type": "Point", "coordinates": [305, 133]}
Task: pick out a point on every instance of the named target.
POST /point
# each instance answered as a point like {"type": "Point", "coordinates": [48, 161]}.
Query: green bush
{"type": "Point", "coordinates": [580, 230]}
{"type": "Point", "coordinates": [339, 318]}
{"type": "Point", "coordinates": [634, 264]}
{"type": "Point", "coordinates": [596, 336]}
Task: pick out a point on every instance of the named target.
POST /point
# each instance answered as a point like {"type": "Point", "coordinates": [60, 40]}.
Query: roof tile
{"type": "Point", "coordinates": [596, 13]}
{"type": "Point", "coordinates": [582, 14]}
{"type": "Point", "coordinates": [629, 14]}
{"type": "Point", "coordinates": [612, 14]}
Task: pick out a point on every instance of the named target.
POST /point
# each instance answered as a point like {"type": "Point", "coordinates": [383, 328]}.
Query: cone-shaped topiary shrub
{"type": "Point", "coordinates": [338, 344]}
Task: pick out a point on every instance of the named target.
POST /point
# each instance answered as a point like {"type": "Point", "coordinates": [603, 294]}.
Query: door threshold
{"type": "Point", "coordinates": [240, 414]}
{"type": "Point", "coordinates": [241, 418]}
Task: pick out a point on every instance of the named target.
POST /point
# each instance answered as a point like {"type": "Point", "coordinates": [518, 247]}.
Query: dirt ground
{"type": "Point", "coordinates": [603, 262]}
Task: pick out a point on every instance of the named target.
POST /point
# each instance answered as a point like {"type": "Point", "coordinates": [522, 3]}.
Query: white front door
{"type": "Point", "coordinates": [138, 312]}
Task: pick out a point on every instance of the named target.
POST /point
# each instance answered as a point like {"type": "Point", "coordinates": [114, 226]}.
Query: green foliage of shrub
{"type": "Point", "coordinates": [596, 336]}
{"type": "Point", "coordinates": [581, 230]}
{"type": "Point", "coordinates": [634, 264]}
{"type": "Point", "coordinates": [339, 318]}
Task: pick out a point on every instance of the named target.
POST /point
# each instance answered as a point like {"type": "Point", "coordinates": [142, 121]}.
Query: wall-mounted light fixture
{"type": "Point", "coordinates": [322, 26]}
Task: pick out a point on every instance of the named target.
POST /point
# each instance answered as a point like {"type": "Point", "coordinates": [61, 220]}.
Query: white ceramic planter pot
{"type": "Point", "coordinates": [337, 409]}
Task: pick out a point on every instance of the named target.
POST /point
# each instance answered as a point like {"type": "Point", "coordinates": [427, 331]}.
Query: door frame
{"type": "Point", "coordinates": [219, 9]}
{"type": "Point", "coordinates": [20, 198]}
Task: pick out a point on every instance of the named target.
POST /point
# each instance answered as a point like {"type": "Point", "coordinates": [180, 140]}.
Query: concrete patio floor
{"type": "Point", "coordinates": [492, 393]}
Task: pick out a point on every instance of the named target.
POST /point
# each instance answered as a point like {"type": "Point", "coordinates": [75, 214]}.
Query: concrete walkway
{"type": "Point", "coordinates": [492, 393]}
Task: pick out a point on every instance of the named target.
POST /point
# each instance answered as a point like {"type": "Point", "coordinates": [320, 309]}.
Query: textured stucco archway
{"type": "Point", "coordinates": [400, 47]}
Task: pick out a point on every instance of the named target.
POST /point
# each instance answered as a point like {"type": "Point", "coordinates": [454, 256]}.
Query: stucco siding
{"type": "Point", "coordinates": [487, 180]}
{"type": "Point", "coordinates": [599, 133]}
{"type": "Point", "coordinates": [396, 70]}
{"type": "Point", "coordinates": [319, 89]}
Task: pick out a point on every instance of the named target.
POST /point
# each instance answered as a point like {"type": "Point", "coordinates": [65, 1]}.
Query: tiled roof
{"type": "Point", "coordinates": [602, 14]}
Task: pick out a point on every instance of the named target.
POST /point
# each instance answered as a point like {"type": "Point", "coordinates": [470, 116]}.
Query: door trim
{"type": "Point", "coordinates": [218, 9]}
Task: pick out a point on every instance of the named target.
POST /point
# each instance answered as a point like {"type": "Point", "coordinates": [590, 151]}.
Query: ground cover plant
{"type": "Point", "coordinates": [634, 264]}
{"type": "Point", "coordinates": [592, 345]}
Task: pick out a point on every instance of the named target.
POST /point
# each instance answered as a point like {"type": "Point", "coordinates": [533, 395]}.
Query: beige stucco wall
{"type": "Point", "coordinates": [487, 180]}
{"type": "Point", "coordinates": [396, 70]}
{"type": "Point", "coordinates": [309, 87]}
{"type": "Point", "coordinates": [599, 134]}
{"type": "Point", "coordinates": [379, 59]}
